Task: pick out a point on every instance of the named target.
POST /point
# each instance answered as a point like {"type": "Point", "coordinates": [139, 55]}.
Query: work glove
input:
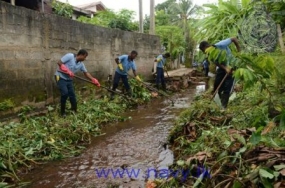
{"type": "Point", "coordinates": [164, 68]}
{"type": "Point", "coordinates": [64, 69]}
{"type": "Point", "coordinates": [120, 66]}
{"type": "Point", "coordinates": [138, 78]}
{"type": "Point", "coordinates": [57, 78]}
{"type": "Point", "coordinates": [95, 82]}
{"type": "Point", "coordinates": [158, 60]}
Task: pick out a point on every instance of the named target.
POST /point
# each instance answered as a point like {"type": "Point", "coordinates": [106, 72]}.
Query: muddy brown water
{"type": "Point", "coordinates": [126, 156]}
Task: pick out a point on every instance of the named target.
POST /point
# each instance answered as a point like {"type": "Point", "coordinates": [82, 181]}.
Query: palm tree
{"type": "Point", "coordinates": [182, 12]}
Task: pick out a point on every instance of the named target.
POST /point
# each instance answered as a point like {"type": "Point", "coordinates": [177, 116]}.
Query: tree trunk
{"type": "Point", "coordinates": [187, 57]}
{"type": "Point", "coordinates": [179, 61]}
{"type": "Point", "coordinates": [280, 38]}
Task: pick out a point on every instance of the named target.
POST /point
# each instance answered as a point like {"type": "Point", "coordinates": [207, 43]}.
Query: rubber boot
{"type": "Point", "coordinates": [129, 93]}
{"type": "Point", "coordinates": [225, 99]}
{"type": "Point", "coordinates": [62, 110]}
{"type": "Point", "coordinates": [112, 96]}
{"type": "Point", "coordinates": [164, 87]}
{"type": "Point", "coordinates": [74, 107]}
{"type": "Point", "coordinates": [157, 86]}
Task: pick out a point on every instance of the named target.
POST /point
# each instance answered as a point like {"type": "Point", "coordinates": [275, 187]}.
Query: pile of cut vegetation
{"type": "Point", "coordinates": [242, 146]}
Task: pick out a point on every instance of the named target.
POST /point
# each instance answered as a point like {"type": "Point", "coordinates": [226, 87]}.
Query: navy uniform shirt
{"type": "Point", "coordinates": [127, 65]}
{"type": "Point", "coordinates": [69, 60]}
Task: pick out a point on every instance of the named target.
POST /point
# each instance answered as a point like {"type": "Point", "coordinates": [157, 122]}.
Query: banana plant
{"type": "Point", "coordinates": [254, 69]}
{"type": "Point", "coordinates": [222, 20]}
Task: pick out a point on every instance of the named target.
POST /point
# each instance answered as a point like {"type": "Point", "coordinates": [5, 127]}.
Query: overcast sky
{"type": "Point", "coordinates": [130, 4]}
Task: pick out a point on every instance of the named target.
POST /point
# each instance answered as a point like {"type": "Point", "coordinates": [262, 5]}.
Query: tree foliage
{"type": "Point", "coordinates": [62, 9]}
{"type": "Point", "coordinates": [277, 10]}
{"type": "Point", "coordinates": [171, 38]}
{"type": "Point", "coordinates": [102, 18]}
{"type": "Point", "coordinates": [180, 14]}
{"type": "Point", "coordinates": [165, 5]}
{"type": "Point", "coordinates": [121, 20]}
{"type": "Point", "coordinates": [146, 23]}
{"type": "Point", "coordinates": [162, 18]}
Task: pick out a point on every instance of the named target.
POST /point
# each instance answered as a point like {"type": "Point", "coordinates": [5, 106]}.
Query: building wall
{"type": "Point", "coordinates": [31, 43]}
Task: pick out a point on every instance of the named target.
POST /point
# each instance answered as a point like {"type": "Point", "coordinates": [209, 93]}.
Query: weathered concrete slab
{"type": "Point", "coordinates": [179, 72]}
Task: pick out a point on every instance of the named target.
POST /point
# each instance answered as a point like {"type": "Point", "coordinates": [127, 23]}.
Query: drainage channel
{"type": "Point", "coordinates": [126, 156]}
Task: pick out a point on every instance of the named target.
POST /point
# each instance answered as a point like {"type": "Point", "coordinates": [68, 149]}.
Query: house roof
{"type": "Point", "coordinates": [98, 4]}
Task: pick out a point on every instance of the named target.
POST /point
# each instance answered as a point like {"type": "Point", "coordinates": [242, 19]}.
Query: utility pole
{"type": "Point", "coordinates": [43, 8]}
{"type": "Point", "coordinates": [152, 24]}
{"type": "Point", "coordinates": [140, 16]}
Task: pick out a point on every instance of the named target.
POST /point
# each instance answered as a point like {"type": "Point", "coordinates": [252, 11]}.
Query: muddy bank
{"type": "Point", "coordinates": [135, 145]}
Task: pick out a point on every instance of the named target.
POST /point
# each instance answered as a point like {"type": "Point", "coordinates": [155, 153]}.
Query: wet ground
{"type": "Point", "coordinates": [129, 153]}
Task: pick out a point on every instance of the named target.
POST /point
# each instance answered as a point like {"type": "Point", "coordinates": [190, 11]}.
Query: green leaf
{"type": "Point", "coordinates": [266, 183]}
{"type": "Point", "coordinates": [30, 152]}
{"type": "Point", "coordinates": [274, 144]}
{"type": "Point", "coordinates": [240, 139]}
{"type": "Point", "coordinates": [237, 184]}
{"type": "Point", "coordinates": [282, 120]}
{"type": "Point", "coordinates": [265, 174]}
{"type": "Point", "coordinates": [2, 165]}
{"type": "Point", "coordinates": [253, 175]}
{"type": "Point", "coordinates": [227, 143]}
{"type": "Point", "coordinates": [198, 181]}
{"type": "Point", "coordinates": [223, 154]}
{"type": "Point", "coordinates": [276, 174]}
{"type": "Point", "coordinates": [279, 167]}
{"type": "Point", "coordinates": [3, 184]}
{"type": "Point", "coordinates": [243, 149]}
{"type": "Point", "coordinates": [255, 138]}
{"type": "Point", "coordinates": [260, 129]}
{"type": "Point", "coordinates": [180, 162]}
{"type": "Point", "coordinates": [50, 108]}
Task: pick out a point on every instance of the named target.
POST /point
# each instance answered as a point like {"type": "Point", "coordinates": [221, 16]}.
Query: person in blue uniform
{"type": "Point", "coordinates": [125, 63]}
{"type": "Point", "coordinates": [68, 65]}
{"type": "Point", "coordinates": [206, 67]}
{"type": "Point", "coordinates": [223, 64]}
{"type": "Point", "coordinates": [161, 62]}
